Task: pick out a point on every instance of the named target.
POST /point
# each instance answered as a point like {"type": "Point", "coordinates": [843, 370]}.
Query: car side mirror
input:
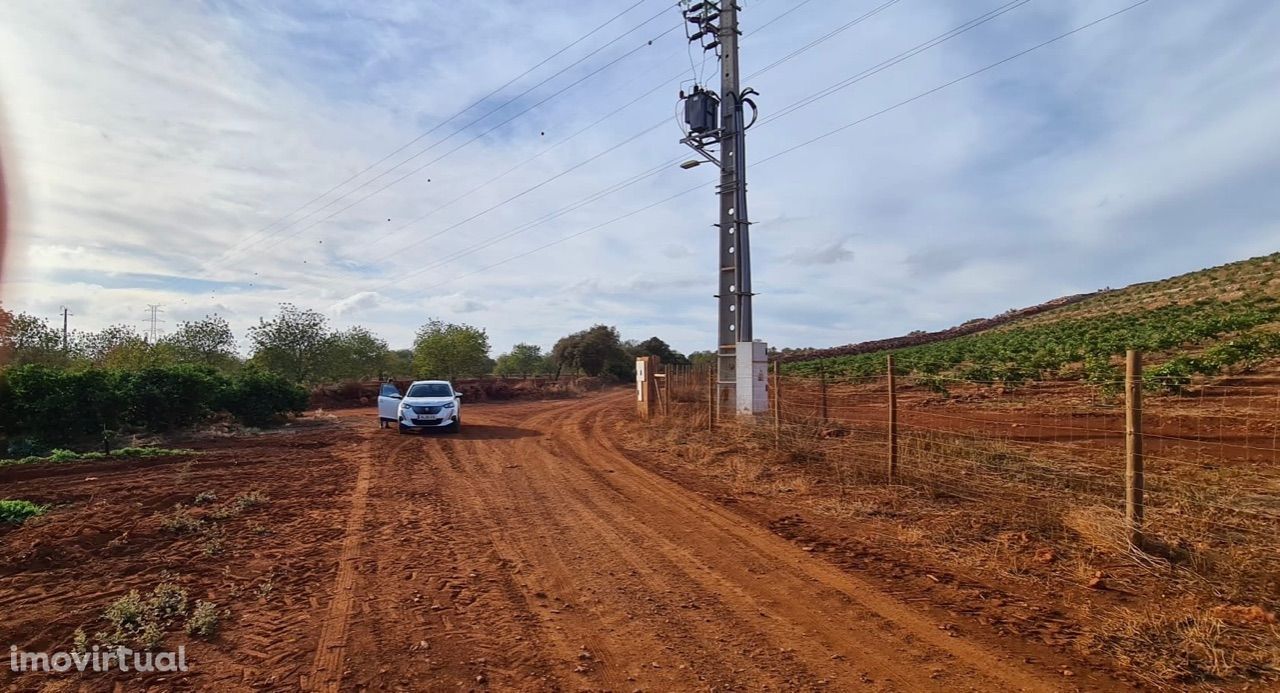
{"type": "Point", "coordinates": [458, 395]}
{"type": "Point", "coordinates": [395, 396]}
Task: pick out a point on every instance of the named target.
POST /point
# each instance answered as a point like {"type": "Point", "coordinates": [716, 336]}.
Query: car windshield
{"type": "Point", "coordinates": [430, 390]}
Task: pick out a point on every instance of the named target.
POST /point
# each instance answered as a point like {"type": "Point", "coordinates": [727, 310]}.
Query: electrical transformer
{"type": "Point", "coordinates": [701, 111]}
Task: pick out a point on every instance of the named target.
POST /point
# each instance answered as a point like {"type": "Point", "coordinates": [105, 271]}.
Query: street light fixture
{"type": "Point", "coordinates": [691, 163]}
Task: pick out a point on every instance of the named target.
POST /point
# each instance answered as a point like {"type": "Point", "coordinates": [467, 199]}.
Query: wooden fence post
{"type": "Point", "coordinates": [777, 407]}
{"type": "Point", "coordinates": [1134, 478]}
{"type": "Point", "coordinates": [711, 399]}
{"type": "Point", "coordinates": [823, 373]}
{"type": "Point", "coordinates": [893, 423]}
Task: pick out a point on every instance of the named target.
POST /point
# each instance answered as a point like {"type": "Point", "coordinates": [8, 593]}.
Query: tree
{"type": "Point", "coordinates": [524, 360]}
{"type": "Point", "coordinates": [114, 346]}
{"type": "Point", "coordinates": [6, 323]}
{"type": "Point", "coordinates": [400, 363]}
{"type": "Point", "coordinates": [446, 350]}
{"type": "Point", "coordinates": [27, 339]}
{"type": "Point", "coordinates": [656, 347]}
{"type": "Point", "coordinates": [292, 344]}
{"type": "Point", "coordinates": [593, 350]}
{"type": "Point", "coordinates": [353, 354]}
{"type": "Point", "coordinates": [207, 342]}
{"type": "Point", "coordinates": [702, 358]}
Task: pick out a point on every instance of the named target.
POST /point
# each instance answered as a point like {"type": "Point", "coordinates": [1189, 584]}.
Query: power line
{"type": "Point", "coordinates": [474, 121]}
{"type": "Point", "coordinates": [826, 37]}
{"type": "Point", "coordinates": [242, 245]}
{"type": "Point", "coordinates": [786, 12]}
{"type": "Point", "coordinates": [957, 80]}
{"type": "Point", "coordinates": [654, 171]}
{"type": "Point", "coordinates": [473, 139]}
{"type": "Point", "coordinates": [600, 194]}
{"type": "Point", "coordinates": [451, 118]}
{"type": "Point", "coordinates": [661, 167]}
{"type": "Point", "coordinates": [612, 113]}
{"type": "Point", "coordinates": [819, 138]}
{"type": "Point", "coordinates": [884, 65]}
{"type": "Point", "coordinates": [507, 172]}
{"type": "Point", "coordinates": [900, 57]}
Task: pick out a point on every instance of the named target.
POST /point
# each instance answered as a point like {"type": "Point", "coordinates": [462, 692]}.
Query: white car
{"type": "Point", "coordinates": [426, 404]}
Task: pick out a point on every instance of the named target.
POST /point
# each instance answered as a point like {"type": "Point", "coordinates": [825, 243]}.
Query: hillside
{"type": "Point", "coordinates": [1220, 320]}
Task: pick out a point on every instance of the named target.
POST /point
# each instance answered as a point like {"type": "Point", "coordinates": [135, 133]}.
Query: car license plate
{"type": "Point", "coordinates": [428, 420]}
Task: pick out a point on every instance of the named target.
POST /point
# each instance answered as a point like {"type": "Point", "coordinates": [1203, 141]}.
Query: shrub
{"type": "Point", "coordinates": [204, 619]}
{"type": "Point", "coordinates": [172, 397]}
{"type": "Point", "coordinates": [257, 398]}
{"type": "Point", "coordinates": [26, 447]}
{"type": "Point", "coordinates": [250, 500]}
{"type": "Point", "coordinates": [181, 521]}
{"type": "Point", "coordinates": [15, 512]}
{"type": "Point", "coordinates": [54, 404]}
{"type": "Point", "coordinates": [142, 621]}
{"type": "Point", "coordinates": [57, 405]}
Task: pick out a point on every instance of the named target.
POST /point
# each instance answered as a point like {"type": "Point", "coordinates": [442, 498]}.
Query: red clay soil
{"type": "Point", "coordinates": [529, 552]}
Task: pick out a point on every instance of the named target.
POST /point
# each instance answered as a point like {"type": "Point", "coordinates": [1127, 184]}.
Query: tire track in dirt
{"type": "Point", "coordinates": [327, 668]}
{"type": "Point", "coordinates": [610, 546]}
{"type": "Point", "coordinates": [536, 532]}
{"type": "Point", "coordinates": [637, 600]}
{"type": "Point", "coordinates": [437, 602]}
{"type": "Point", "coordinates": [645, 592]}
{"type": "Point", "coordinates": [799, 593]}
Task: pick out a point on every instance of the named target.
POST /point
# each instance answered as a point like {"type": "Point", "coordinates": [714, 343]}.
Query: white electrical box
{"type": "Point", "coordinates": [752, 377]}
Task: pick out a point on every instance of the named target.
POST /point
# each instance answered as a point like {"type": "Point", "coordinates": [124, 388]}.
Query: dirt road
{"type": "Point", "coordinates": [528, 552]}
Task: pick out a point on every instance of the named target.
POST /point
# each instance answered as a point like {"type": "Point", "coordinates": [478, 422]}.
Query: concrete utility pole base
{"type": "Point", "coordinates": [752, 374]}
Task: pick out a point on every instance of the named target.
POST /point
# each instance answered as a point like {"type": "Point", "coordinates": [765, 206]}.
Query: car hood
{"type": "Point", "coordinates": [427, 401]}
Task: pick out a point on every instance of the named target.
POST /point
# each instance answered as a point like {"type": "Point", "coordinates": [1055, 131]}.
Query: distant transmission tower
{"type": "Point", "coordinates": [153, 332]}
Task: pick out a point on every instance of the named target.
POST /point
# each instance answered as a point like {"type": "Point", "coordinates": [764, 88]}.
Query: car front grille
{"type": "Point", "coordinates": [426, 410]}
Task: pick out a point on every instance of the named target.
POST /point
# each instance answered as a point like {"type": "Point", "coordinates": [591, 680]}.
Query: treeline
{"type": "Point", "coordinates": [116, 381]}
{"type": "Point", "coordinates": [299, 345]}
{"type": "Point", "coordinates": [41, 406]}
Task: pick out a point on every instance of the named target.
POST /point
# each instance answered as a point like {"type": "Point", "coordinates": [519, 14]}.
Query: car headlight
{"type": "Point", "coordinates": [447, 405]}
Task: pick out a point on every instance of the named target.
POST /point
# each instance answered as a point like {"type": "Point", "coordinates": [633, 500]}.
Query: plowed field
{"type": "Point", "coordinates": [530, 552]}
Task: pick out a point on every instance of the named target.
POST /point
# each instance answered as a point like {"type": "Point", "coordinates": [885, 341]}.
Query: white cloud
{"type": "Point", "coordinates": [363, 300]}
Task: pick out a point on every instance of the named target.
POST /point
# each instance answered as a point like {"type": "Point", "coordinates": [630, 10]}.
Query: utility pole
{"type": "Point", "coordinates": [742, 366]}
{"type": "Point", "coordinates": [65, 312]}
{"type": "Point", "coordinates": [153, 332]}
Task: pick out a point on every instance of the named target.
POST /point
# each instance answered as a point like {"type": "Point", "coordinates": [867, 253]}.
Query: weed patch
{"type": "Point", "coordinates": [15, 512]}
{"type": "Point", "coordinates": [204, 620]}
{"type": "Point", "coordinates": [61, 455]}
{"type": "Point", "coordinates": [249, 501]}
{"type": "Point", "coordinates": [139, 620]}
{"type": "Point", "coordinates": [182, 521]}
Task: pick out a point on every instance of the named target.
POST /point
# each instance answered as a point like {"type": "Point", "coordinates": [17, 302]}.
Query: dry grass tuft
{"type": "Point", "coordinates": [1186, 648]}
{"type": "Point", "coordinates": [1100, 527]}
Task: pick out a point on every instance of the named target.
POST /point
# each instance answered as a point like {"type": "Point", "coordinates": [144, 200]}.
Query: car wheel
{"type": "Point", "coordinates": [402, 428]}
{"type": "Point", "coordinates": [456, 425]}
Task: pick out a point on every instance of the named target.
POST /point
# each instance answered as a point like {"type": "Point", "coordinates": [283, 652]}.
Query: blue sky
{"type": "Point", "coordinates": [161, 149]}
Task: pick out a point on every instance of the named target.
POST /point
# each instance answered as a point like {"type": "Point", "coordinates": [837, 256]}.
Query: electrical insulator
{"type": "Point", "coordinates": [701, 111]}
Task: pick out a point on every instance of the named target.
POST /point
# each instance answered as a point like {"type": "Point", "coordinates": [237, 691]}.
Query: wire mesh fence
{"type": "Point", "coordinates": [1209, 463]}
